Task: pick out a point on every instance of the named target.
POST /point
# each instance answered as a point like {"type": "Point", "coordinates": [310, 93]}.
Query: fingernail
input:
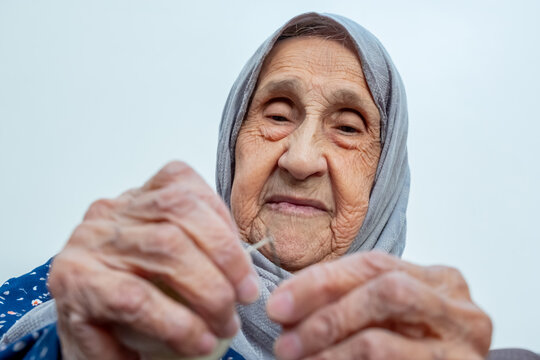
{"type": "Point", "coordinates": [288, 346]}
{"type": "Point", "coordinates": [207, 343]}
{"type": "Point", "coordinates": [232, 326]}
{"type": "Point", "coordinates": [280, 306]}
{"type": "Point", "coordinates": [248, 289]}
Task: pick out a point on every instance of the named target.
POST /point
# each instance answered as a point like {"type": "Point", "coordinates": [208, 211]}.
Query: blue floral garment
{"type": "Point", "coordinates": [42, 344]}
{"type": "Point", "coordinates": [17, 297]}
{"type": "Point", "coordinates": [22, 294]}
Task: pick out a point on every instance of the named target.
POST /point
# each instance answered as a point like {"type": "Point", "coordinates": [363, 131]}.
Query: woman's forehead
{"type": "Point", "coordinates": [312, 54]}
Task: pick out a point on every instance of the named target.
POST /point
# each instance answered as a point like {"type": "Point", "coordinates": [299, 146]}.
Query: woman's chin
{"type": "Point", "coordinates": [298, 249]}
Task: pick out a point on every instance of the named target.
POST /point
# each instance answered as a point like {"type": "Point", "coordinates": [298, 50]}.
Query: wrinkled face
{"type": "Point", "coordinates": [307, 152]}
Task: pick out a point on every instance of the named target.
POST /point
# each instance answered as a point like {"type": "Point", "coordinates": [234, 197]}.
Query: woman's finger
{"type": "Point", "coordinates": [117, 298]}
{"type": "Point", "coordinates": [323, 283]}
{"type": "Point", "coordinates": [207, 230]}
{"type": "Point", "coordinates": [381, 344]}
{"type": "Point", "coordinates": [393, 298]}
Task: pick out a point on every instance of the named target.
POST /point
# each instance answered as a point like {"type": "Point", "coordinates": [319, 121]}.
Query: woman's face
{"type": "Point", "coordinates": [307, 152]}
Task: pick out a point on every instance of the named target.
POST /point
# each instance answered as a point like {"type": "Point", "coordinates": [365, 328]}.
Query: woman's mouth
{"type": "Point", "coordinates": [296, 206]}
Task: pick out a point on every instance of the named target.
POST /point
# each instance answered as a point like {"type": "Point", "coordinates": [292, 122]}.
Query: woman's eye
{"type": "Point", "coordinates": [278, 118]}
{"type": "Point", "coordinates": [347, 129]}
{"type": "Point", "coordinates": [279, 110]}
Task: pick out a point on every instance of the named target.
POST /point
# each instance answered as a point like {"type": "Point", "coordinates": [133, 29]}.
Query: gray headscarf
{"type": "Point", "coordinates": [384, 227]}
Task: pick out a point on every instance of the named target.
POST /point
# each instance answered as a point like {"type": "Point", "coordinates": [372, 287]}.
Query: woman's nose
{"type": "Point", "coordinates": [303, 156]}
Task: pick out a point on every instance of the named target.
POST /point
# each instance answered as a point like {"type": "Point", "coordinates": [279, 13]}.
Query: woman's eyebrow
{"type": "Point", "coordinates": [347, 96]}
{"type": "Point", "coordinates": [291, 86]}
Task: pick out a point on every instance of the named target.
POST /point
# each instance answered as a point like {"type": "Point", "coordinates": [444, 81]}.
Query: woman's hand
{"type": "Point", "coordinates": [375, 306]}
{"type": "Point", "coordinates": [174, 232]}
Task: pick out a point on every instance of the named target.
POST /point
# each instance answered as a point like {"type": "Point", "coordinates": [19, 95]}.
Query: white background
{"type": "Point", "coordinates": [95, 96]}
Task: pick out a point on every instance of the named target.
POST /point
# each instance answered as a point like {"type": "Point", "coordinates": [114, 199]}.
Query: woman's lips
{"type": "Point", "coordinates": [296, 206]}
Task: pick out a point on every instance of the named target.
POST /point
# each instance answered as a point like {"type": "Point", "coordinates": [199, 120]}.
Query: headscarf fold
{"type": "Point", "coordinates": [384, 226]}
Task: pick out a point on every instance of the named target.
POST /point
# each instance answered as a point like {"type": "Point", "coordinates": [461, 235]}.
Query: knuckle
{"type": "Point", "coordinates": [454, 279]}
{"type": "Point", "coordinates": [434, 273]}
{"type": "Point", "coordinates": [393, 288]}
{"type": "Point", "coordinates": [454, 275]}
{"type": "Point", "coordinates": [394, 296]}
{"type": "Point", "coordinates": [130, 193]}
{"type": "Point", "coordinates": [67, 279]}
{"type": "Point", "coordinates": [75, 322]}
{"type": "Point", "coordinates": [99, 209]}
{"type": "Point", "coordinates": [129, 300]}
{"type": "Point", "coordinates": [57, 276]}
{"type": "Point", "coordinates": [376, 261]}
{"type": "Point", "coordinates": [176, 172]}
{"type": "Point", "coordinates": [166, 238]}
{"type": "Point", "coordinates": [173, 198]}
{"type": "Point", "coordinates": [371, 344]}
{"type": "Point", "coordinates": [326, 327]}
{"type": "Point", "coordinates": [82, 233]}
{"type": "Point", "coordinates": [173, 337]}
{"type": "Point", "coordinates": [229, 255]}
{"type": "Point", "coordinates": [172, 173]}
{"type": "Point", "coordinates": [322, 274]}
{"type": "Point", "coordinates": [176, 167]}
{"type": "Point", "coordinates": [222, 300]}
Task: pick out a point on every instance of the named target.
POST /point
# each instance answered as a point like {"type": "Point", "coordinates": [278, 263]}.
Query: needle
{"type": "Point", "coordinates": [268, 239]}
{"type": "Point", "coordinates": [259, 244]}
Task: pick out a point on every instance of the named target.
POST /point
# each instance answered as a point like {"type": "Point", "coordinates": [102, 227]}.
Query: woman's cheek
{"type": "Point", "coordinates": [256, 159]}
{"type": "Point", "coordinates": [244, 197]}
{"type": "Point", "coordinates": [248, 139]}
{"type": "Point", "coordinates": [368, 158]}
{"type": "Point", "coordinates": [352, 186]}
{"type": "Point", "coordinates": [347, 222]}
{"type": "Point", "coordinates": [243, 212]}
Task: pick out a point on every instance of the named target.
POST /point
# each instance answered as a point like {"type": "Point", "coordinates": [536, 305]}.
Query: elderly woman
{"type": "Point", "coordinates": [312, 154]}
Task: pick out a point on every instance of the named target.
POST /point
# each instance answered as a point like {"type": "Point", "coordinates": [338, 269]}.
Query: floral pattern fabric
{"type": "Point", "coordinates": [22, 294]}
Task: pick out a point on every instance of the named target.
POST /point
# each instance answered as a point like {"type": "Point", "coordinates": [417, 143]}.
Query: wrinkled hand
{"type": "Point", "coordinates": [175, 232]}
{"type": "Point", "coordinates": [375, 306]}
